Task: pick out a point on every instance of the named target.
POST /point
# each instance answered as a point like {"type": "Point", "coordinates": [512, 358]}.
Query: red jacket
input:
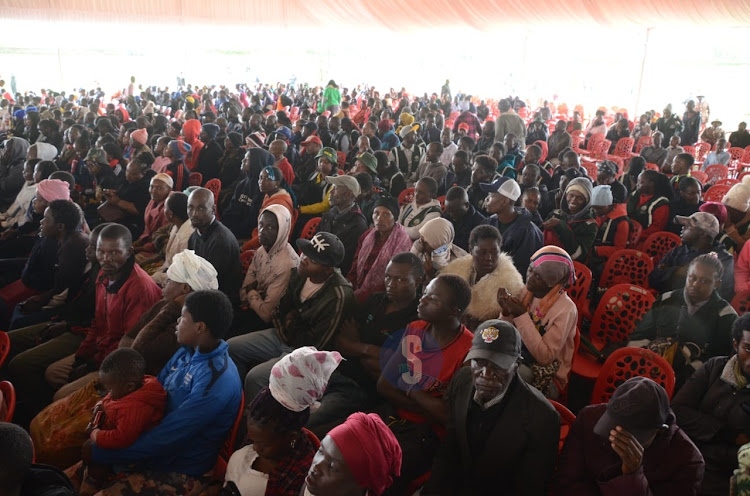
{"type": "Point", "coordinates": [118, 308]}
{"type": "Point", "coordinates": [130, 416]}
{"type": "Point", "coordinates": [612, 241]}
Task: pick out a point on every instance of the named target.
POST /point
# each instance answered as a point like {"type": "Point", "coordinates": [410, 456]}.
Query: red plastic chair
{"type": "Point", "coordinates": [651, 166]}
{"type": "Point", "coordinates": [576, 138]}
{"type": "Point", "coordinates": [590, 167]}
{"type": "Point", "coordinates": [9, 396]}
{"type": "Point", "coordinates": [736, 153]}
{"type": "Point", "coordinates": [312, 437]}
{"type": "Point", "coordinates": [566, 421]}
{"type": "Point", "coordinates": [441, 199]}
{"type": "Point", "coordinates": [406, 197]}
{"type": "Point", "coordinates": [220, 468]}
{"type": "Point", "coordinates": [246, 258]}
{"type": "Point", "coordinates": [701, 150]}
{"type": "Point", "coordinates": [635, 233]}
{"type": "Point", "coordinates": [689, 149]}
{"type": "Point", "coordinates": [745, 160]}
{"type": "Point", "coordinates": [594, 140]}
{"type": "Point", "coordinates": [579, 291]}
{"type": "Point", "coordinates": [4, 347]}
{"type": "Point", "coordinates": [214, 185]}
{"type": "Point", "coordinates": [310, 228]}
{"type": "Point", "coordinates": [195, 179]}
{"type": "Point", "coordinates": [643, 142]}
{"type": "Point", "coordinates": [619, 312]}
{"type": "Point", "coordinates": [623, 147]}
{"type": "Point", "coordinates": [716, 192]}
{"type": "Point", "coordinates": [627, 267]}
{"type": "Point", "coordinates": [741, 302]}
{"type": "Point", "coordinates": [631, 362]}
{"type": "Point", "coordinates": [716, 172]}
{"type": "Point", "coordinates": [660, 243]}
{"type": "Point", "coordinates": [600, 150]}
{"type": "Point", "coordinates": [726, 182]}
{"type": "Point", "coordinates": [700, 176]}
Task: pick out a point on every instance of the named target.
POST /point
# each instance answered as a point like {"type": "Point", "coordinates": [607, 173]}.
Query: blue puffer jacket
{"type": "Point", "coordinates": [203, 397]}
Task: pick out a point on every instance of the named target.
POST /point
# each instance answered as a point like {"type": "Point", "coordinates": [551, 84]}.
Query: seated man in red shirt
{"type": "Point", "coordinates": [418, 370]}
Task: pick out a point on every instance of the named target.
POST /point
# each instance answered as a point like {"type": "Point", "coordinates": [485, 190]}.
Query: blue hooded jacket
{"type": "Point", "coordinates": [204, 392]}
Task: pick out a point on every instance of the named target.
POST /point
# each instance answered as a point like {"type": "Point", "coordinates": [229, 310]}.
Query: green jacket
{"type": "Point", "coordinates": [314, 322]}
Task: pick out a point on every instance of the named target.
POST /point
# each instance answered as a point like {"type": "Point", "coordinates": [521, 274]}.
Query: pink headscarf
{"type": "Point", "coordinates": [53, 189]}
{"type": "Point", "coordinates": [300, 378]}
{"type": "Point", "coordinates": [140, 135]}
{"type": "Point", "coordinates": [370, 450]}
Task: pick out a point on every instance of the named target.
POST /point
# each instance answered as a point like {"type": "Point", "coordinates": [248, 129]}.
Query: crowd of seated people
{"type": "Point", "coordinates": [387, 283]}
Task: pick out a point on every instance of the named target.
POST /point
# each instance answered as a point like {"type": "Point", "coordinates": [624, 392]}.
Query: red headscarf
{"type": "Point", "coordinates": [191, 129]}
{"type": "Point", "coordinates": [370, 449]}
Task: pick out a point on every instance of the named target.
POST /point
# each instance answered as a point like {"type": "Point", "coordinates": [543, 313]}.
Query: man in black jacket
{"type": "Point", "coordinates": [502, 433]}
{"type": "Point", "coordinates": [344, 218]}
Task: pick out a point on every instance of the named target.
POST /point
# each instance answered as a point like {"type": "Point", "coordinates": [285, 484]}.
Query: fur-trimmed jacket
{"type": "Point", "coordinates": [484, 304]}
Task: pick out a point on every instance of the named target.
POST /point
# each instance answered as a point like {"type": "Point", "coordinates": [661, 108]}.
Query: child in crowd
{"type": "Point", "coordinates": [135, 403]}
{"type": "Point", "coordinates": [530, 201]}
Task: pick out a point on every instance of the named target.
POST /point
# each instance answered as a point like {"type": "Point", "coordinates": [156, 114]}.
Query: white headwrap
{"type": "Point", "coordinates": [45, 151]}
{"type": "Point", "coordinates": [300, 378]}
{"type": "Point", "coordinates": [197, 272]}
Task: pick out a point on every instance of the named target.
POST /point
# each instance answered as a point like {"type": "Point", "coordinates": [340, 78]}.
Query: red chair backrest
{"type": "Point", "coordinates": [441, 199]}
{"type": "Point", "coordinates": [726, 182]}
{"type": "Point", "coordinates": [736, 153]}
{"type": "Point", "coordinates": [576, 138]}
{"type": "Point", "coordinates": [619, 311]}
{"type": "Point", "coordinates": [600, 149]}
{"type": "Point", "coordinates": [623, 147]}
{"type": "Point", "coordinates": [593, 140]}
{"type": "Point", "coordinates": [220, 468]}
{"type": "Point", "coordinates": [627, 267]}
{"type": "Point", "coordinates": [246, 258]}
{"type": "Point", "coordinates": [746, 156]}
{"type": "Point", "coordinates": [566, 421]}
{"type": "Point", "coordinates": [310, 228]}
{"type": "Point", "coordinates": [312, 437]}
{"type": "Point", "coordinates": [741, 302]}
{"type": "Point", "coordinates": [4, 347]}
{"type": "Point", "coordinates": [214, 185]}
{"type": "Point", "coordinates": [651, 166]}
{"type": "Point", "coordinates": [590, 167]}
{"type": "Point", "coordinates": [579, 291]}
{"type": "Point", "coordinates": [635, 233]}
{"type": "Point", "coordinates": [9, 396]}
{"type": "Point", "coordinates": [643, 142]}
{"type": "Point", "coordinates": [406, 197]}
{"type": "Point", "coordinates": [716, 172]}
{"type": "Point", "coordinates": [689, 149]}
{"type": "Point", "coordinates": [716, 192]}
{"type": "Point", "coordinates": [660, 243]}
{"type": "Point", "coordinates": [631, 362]}
{"type": "Point", "coordinates": [700, 176]}
{"type": "Point", "coordinates": [701, 150]}
{"type": "Point", "coordinates": [195, 179]}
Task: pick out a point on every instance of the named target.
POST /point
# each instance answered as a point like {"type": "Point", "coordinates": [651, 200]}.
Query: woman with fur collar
{"type": "Point", "coordinates": [487, 269]}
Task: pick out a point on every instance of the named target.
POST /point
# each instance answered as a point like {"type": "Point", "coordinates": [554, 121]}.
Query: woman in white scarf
{"type": "Point", "coordinates": [435, 246]}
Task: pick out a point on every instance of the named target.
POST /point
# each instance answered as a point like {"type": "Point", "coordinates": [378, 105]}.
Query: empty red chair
{"type": "Point", "coordinates": [627, 267]}
{"type": "Point", "coordinates": [631, 362]}
{"type": "Point", "coordinates": [700, 176]}
{"type": "Point", "coordinates": [593, 141]}
{"type": "Point", "coordinates": [716, 172]}
{"type": "Point", "coordinates": [660, 243]}
{"type": "Point", "coordinates": [736, 153]}
{"type": "Point", "coordinates": [310, 228]}
{"type": "Point", "coordinates": [619, 312]}
{"type": "Point", "coordinates": [716, 192]}
{"type": "Point", "coordinates": [600, 150]}
{"type": "Point", "coordinates": [214, 185]}
{"type": "Point", "coordinates": [9, 397]}
{"type": "Point", "coordinates": [406, 197]}
{"type": "Point", "coordinates": [689, 149]}
{"type": "Point", "coordinates": [623, 147]}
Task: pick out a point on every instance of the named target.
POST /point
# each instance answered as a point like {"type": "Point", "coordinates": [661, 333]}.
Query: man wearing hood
{"type": "Point", "coordinates": [241, 216]}
{"type": "Point", "coordinates": [573, 227]}
{"type": "Point", "coordinates": [12, 158]}
{"type": "Point", "coordinates": [521, 238]}
{"type": "Point", "coordinates": [210, 153]}
{"type": "Point", "coordinates": [268, 275]}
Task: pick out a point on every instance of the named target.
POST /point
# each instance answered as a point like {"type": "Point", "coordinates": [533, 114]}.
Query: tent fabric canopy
{"type": "Point", "coordinates": [483, 15]}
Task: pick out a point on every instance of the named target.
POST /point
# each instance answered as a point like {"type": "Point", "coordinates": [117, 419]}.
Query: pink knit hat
{"type": "Point", "coordinates": [140, 135]}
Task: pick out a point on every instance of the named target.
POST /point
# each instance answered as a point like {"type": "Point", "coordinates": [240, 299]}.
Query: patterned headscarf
{"type": "Point", "coordinates": [300, 378]}
{"type": "Point", "coordinates": [553, 264]}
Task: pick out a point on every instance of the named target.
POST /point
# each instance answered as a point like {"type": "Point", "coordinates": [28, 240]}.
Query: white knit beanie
{"type": "Point", "coordinates": [738, 197]}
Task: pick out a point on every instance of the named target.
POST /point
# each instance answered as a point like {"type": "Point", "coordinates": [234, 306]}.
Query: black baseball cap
{"type": "Point", "coordinates": [640, 406]}
{"type": "Point", "coordinates": [324, 248]}
{"type": "Point", "coordinates": [497, 341]}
